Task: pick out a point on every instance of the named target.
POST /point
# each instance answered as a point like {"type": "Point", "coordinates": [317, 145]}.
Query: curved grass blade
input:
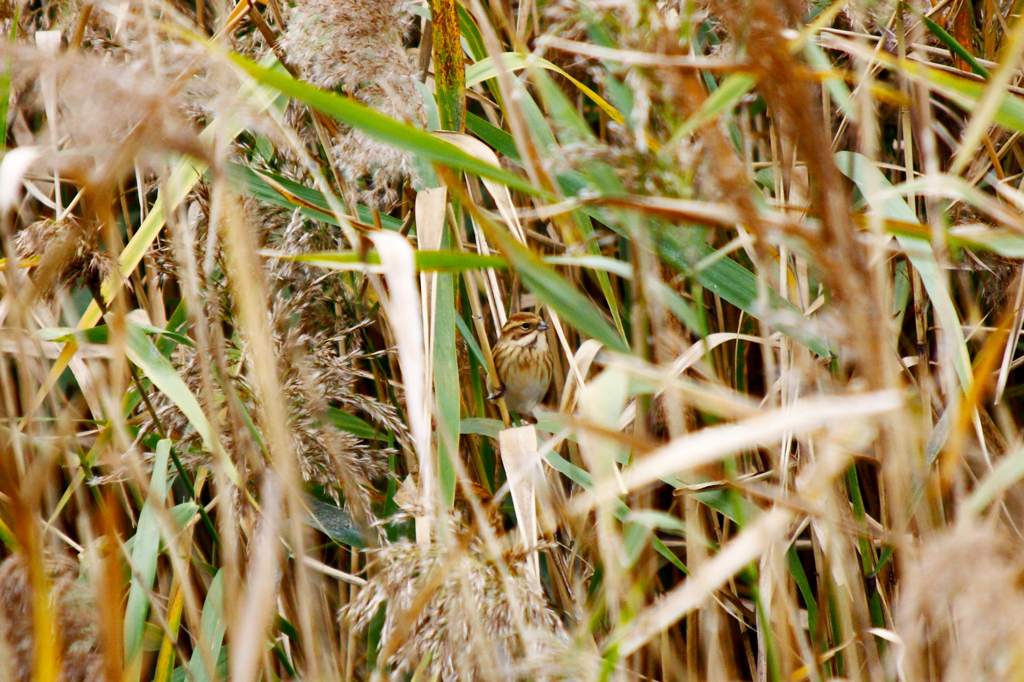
{"type": "Point", "coordinates": [952, 43]}
{"type": "Point", "coordinates": [725, 97]}
{"type": "Point", "coordinates": [381, 127]}
{"type": "Point", "coordinates": [485, 69]}
{"type": "Point", "coordinates": [158, 369]}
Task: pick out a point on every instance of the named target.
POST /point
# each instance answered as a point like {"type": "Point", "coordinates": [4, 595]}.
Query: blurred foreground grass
{"type": "Point", "coordinates": [256, 257]}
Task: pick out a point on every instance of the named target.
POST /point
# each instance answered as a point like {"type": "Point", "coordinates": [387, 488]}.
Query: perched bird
{"type": "Point", "coordinates": [523, 362]}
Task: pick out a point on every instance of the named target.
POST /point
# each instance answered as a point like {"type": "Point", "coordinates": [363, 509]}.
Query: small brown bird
{"type": "Point", "coordinates": [523, 362]}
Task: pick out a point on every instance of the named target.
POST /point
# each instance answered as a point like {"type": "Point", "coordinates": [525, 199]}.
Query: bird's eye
{"type": "Point", "coordinates": [526, 326]}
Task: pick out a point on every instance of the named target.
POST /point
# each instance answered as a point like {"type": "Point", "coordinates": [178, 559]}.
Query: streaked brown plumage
{"type": "Point", "coordinates": [523, 362]}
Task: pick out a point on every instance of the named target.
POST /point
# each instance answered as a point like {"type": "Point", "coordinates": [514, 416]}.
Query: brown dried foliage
{"type": "Point", "coordinates": [76, 631]}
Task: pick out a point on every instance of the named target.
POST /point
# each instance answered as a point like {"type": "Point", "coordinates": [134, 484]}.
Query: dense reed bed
{"type": "Point", "coordinates": [256, 258]}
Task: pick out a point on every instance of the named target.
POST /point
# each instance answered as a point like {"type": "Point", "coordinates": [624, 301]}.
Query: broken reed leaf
{"type": "Point", "coordinates": [519, 457]}
{"type": "Point", "coordinates": [402, 309]}
{"type": "Point", "coordinates": [332, 521]}
{"type": "Point", "coordinates": [500, 194]}
{"type": "Point", "coordinates": [381, 127]}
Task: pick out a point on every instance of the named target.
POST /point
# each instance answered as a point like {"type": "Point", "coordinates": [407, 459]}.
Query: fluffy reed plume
{"type": "Point", "coordinates": [454, 605]}
{"type": "Point", "coordinates": [77, 635]}
{"type": "Point", "coordinates": [81, 260]}
{"type": "Point", "coordinates": [959, 614]}
{"type": "Point", "coordinates": [357, 46]}
{"type": "Point", "coordinates": [318, 355]}
{"type": "Point", "coordinates": [102, 121]}
{"type": "Point", "coordinates": [109, 117]}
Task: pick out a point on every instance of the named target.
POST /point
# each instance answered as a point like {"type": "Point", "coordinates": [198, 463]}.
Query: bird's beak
{"type": "Point", "coordinates": [542, 325]}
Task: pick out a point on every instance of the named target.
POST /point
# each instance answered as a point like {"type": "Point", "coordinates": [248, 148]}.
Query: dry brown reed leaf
{"type": "Point", "coordinates": [522, 466]}
{"type": "Point", "coordinates": [960, 606]}
{"type": "Point", "coordinates": [739, 553]}
{"type": "Point", "coordinates": [713, 443]}
{"type": "Point", "coordinates": [401, 307]}
{"type": "Point", "coordinates": [74, 617]}
{"type": "Point", "coordinates": [499, 192]}
{"type": "Point", "coordinates": [840, 259]}
{"type": "Point", "coordinates": [261, 587]}
{"type": "Point", "coordinates": [430, 222]}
